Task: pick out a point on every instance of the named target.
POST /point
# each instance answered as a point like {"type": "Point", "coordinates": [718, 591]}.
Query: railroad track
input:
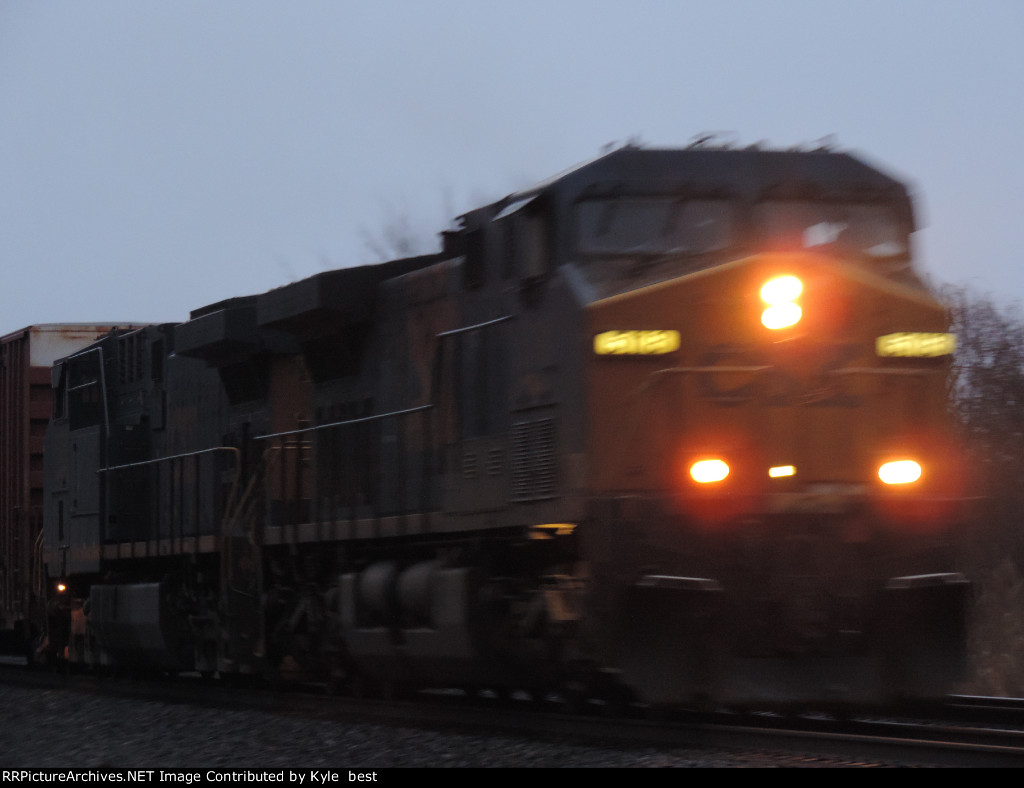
{"type": "Point", "coordinates": [967, 731]}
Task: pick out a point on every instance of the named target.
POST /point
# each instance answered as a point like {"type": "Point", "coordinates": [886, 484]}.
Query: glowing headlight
{"type": "Point", "coordinates": [780, 295]}
{"type": "Point", "coordinates": [709, 471]}
{"type": "Point", "coordinates": [781, 289]}
{"type": "Point", "coordinates": [900, 472]}
{"type": "Point", "coordinates": [781, 316]}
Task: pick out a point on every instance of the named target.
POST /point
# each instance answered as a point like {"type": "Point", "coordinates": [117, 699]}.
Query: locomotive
{"type": "Point", "coordinates": [672, 422]}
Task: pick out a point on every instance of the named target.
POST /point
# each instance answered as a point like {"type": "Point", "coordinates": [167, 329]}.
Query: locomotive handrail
{"type": "Point", "coordinates": [361, 420]}
{"type": "Point", "coordinates": [177, 506]}
{"type": "Point", "coordinates": [232, 449]}
{"type": "Point", "coordinates": [843, 371]}
{"type": "Point", "coordinates": [37, 576]}
{"type": "Point", "coordinates": [474, 327]}
{"type": "Point", "coordinates": [885, 371]}
{"type": "Point", "coordinates": [666, 370]}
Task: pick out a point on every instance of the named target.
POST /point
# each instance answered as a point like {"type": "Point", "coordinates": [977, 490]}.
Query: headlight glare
{"type": "Point", "coordinates": [709, 471]}
{"type": "Point", "coordinates": [781, 289]}
{"type": "Point", "coordinates": [780, 294]}
{"type": "Point", "coordinates": [900, 472]}
{"type": "Point", "coordinates": [781, 316]}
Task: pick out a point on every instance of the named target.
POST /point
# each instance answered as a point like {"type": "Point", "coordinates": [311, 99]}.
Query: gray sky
{"type": "Point", "coordinates": [159, 156]}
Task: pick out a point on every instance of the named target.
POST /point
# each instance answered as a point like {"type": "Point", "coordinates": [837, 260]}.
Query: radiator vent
{"type": "Point", "coordinates": [533, 460]}
{"type": "Point", "coordinates": [495, 462]}
{"type": "Point", "coordinates": [469, 466]}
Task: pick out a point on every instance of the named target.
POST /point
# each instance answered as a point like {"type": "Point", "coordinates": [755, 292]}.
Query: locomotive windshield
{"type": "Point", "coordinates": [653, 225]}
{"type": "Point", "coordinates": [667, 225]}
{"type": "Point", "coordinates": [862, 228]}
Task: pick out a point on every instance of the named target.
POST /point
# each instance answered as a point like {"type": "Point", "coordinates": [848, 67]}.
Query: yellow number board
{"type": "Point", "coordinates": [636, 343]}
{"type": "Point", "coordinates": [914, 344]}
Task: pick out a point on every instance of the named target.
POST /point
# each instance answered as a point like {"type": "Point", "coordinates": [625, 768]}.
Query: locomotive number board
{"type": "Point", "coordinates": [915, 345]}
{"type": "Point", "coordinates": [636, 343]}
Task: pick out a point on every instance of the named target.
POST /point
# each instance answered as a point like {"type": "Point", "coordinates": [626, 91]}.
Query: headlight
{"type": "Point", "coordinates": [709, 471]}
{"type": "Point", "coordinates": [781, 289]}
{"type": "Point", "coordinates": [780, 295]}
{"type": "Point", "coordinates": [781, 316]}
{"type": "Point", "coordinates": [899, 472]}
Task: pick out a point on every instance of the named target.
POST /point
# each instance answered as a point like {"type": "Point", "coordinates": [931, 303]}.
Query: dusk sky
{"type": "Point", "coordinates": [159, 156]}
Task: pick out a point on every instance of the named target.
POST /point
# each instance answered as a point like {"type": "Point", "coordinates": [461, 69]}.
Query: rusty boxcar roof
{"type": "Point", "coordinates": [48, 342]}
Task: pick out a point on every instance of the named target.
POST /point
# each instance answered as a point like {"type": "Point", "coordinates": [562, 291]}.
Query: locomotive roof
{"type": "Point", "coordinates": [749, 172]}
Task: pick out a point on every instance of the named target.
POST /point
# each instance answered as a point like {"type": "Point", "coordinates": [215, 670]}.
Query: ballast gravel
{"type": "Point", "coordinates": [47, 728]}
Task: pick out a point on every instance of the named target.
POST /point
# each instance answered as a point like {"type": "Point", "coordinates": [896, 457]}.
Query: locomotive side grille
{"type": "Point", "coordinates": [469, 466]}
{"type": "Point", "coordinates": [533, 460]}
{"type": "Point", "coordinates": [130, 365]}
{"type": "Point", "coordinates": [495, 462]}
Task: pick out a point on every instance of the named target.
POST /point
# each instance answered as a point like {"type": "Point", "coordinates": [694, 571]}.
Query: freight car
{"type": "Point", "coordinates": [672, 421]}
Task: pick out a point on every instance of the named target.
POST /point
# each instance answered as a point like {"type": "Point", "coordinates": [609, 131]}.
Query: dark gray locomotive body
{"type": "Point", "coordinates": [475, 468]}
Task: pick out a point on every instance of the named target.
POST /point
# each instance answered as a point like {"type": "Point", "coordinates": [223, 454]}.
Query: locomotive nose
{"type": "Point", "coordinates": [782, 374]}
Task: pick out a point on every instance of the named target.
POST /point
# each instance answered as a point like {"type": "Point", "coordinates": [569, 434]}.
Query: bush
{"type": "Point", "coordinates": [987, 397]}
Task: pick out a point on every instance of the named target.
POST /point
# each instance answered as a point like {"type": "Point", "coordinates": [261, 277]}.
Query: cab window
{"type": "Point", "coordinates": [653, 225]}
